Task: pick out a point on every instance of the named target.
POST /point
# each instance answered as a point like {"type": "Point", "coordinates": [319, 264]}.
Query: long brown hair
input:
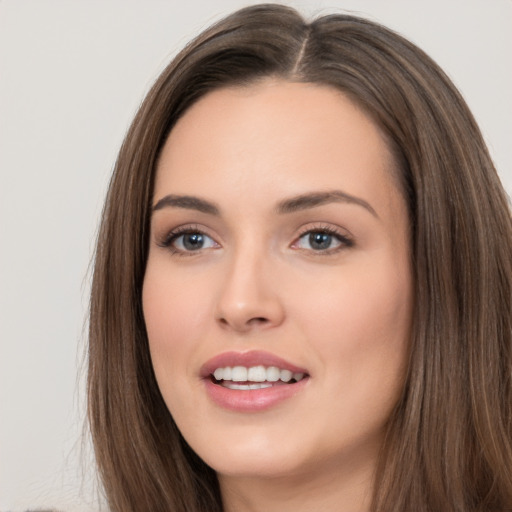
{"type": "Point", "coordinates": [449, 441]}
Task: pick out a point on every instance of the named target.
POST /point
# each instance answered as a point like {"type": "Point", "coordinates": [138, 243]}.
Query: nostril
{"type": "Point", "coordinates": [258, 320]}
{"type": "Point", "coordinates": [242, 325]}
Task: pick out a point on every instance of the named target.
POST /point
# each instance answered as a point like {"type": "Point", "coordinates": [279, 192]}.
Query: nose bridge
{"type": "Point", "coordinates": [248, 296]}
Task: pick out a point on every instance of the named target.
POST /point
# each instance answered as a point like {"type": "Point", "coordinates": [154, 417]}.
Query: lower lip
{"type": "Point", "coordinates": [252, 400]}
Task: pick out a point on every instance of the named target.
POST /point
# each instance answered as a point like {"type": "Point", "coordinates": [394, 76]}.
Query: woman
{"type": "Point", "coordinates": [302, 287]}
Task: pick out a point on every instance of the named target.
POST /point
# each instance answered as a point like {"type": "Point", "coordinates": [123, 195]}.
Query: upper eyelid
{"type": "Point", "coordinates": [177, 236]}
{"type": "Point", "coordinates": [322, 226]}
{"type": "Point", "coordinates": [166, 238]}
{"type": "Point", "coordinates": [344, 237]}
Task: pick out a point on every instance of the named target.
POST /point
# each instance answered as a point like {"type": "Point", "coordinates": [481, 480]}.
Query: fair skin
{"type": "Point", "coordinates": [250, 275]}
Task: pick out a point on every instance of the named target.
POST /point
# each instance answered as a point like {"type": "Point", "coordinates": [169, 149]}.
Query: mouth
{"type": "Point", "coordinates": [254, 377]}
{"type": "Point", "coordinates": [252, 381]}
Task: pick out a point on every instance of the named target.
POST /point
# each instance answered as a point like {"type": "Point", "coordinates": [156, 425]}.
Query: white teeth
{"type": "Point", "coordinates": [232, 385]}
{"type": "Point", "coordinates": [254, 374]}
{"type": "Point", "coordinates": [273, 374]}
{"type": "Point", "coordinates": [257, 374]}
{"type": "Point", "coordinates": [239, 374]}
{"type": "Point", "coordinates": [260, 386]}
{"type": "Point", "coordinates": [286, 375]}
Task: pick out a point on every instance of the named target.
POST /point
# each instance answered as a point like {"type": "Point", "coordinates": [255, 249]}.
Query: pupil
{"type": "Point", "coordinates": [320, 240]}
{"type": "Point", "coordinates": [193, 241]}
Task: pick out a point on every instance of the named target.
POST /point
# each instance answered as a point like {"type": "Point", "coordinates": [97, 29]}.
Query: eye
{"type": "Point", "coordinates": [322, 240]}
{"type": "Point", "coordinates": [193, 242]}
{"type": "Point", "coordinates": [188, 241]}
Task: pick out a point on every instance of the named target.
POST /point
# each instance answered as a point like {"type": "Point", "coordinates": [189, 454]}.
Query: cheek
{"type": "Point", "coordinates": [173, 304]}
{"type": "Point", "coordinates": [174, 314]}
{"type": "Point", "coordinates": [366, 316]}
{"type": "Point", "coordinates": [360, 324]}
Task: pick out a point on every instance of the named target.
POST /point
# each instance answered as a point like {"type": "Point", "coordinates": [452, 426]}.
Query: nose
{"type": "Point", "coordinates": [249, 298]}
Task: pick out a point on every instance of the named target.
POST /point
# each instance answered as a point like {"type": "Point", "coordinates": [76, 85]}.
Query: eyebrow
{"type": "Point", "coordinates": [187, 202]}
{"type": "Point", "coordinates": [301, 202]}
{"type": "Point", "coordinates": [314, 199]}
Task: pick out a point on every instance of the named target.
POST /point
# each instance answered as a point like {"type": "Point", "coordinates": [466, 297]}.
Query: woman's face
{"type": "Point", "coordinates": [278, 290]}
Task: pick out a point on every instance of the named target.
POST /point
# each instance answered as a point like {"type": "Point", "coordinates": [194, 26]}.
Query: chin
{"type": "Point", "coordinates": [259, 467]}
{"type": "Point", "coordinates": [252, 455]}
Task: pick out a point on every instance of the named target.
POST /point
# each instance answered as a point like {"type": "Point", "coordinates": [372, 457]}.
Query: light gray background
{"type": "Point", "coordinates": [72, 74]}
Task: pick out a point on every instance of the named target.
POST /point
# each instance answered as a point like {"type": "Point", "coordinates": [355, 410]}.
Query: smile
{"type": "Point", "coordinates": [251, 381]}
{"type": "Point", "coordinates": [254, 377]}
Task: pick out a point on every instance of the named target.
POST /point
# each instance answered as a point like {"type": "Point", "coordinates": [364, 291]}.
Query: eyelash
{"type": "Point", "coordinates": [173, 235]}
{"type": "Point", "coordinates": [344, 240]}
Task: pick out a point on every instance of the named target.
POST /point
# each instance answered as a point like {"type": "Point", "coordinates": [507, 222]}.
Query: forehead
{"type": "Point", "coordinates": [274, 137]}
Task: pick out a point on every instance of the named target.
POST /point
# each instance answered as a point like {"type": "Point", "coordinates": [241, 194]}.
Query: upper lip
{"type": "Point", "coordinates": [247, 359]}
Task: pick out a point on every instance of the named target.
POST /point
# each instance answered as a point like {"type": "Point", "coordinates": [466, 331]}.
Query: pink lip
{"type": "Point", "coordinates": [252, 400]}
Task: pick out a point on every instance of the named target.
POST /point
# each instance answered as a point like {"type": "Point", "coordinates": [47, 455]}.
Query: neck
{"type": "Point", "coordinates": [333, 489]}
